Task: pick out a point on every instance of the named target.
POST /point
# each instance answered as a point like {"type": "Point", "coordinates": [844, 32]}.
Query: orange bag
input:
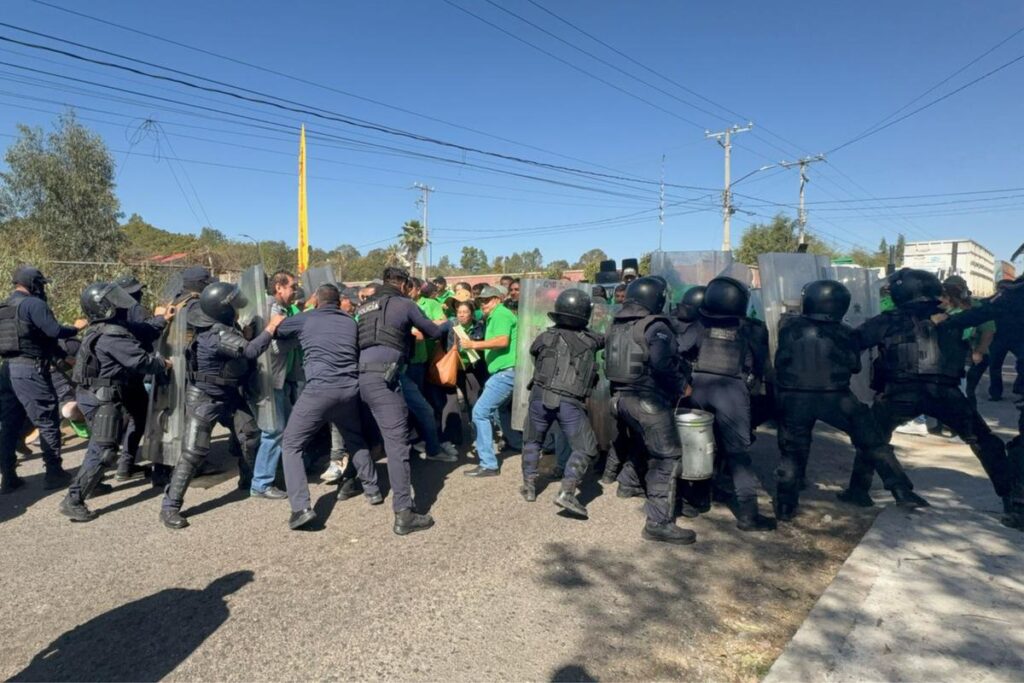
{"type": "Point", "coordinates": [444, 366]}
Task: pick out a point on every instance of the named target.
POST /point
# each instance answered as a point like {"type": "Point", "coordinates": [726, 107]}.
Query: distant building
{"type": "Point", "coordinates": [965, 258]}
{"type": "Point", "coordinates": [1005, 271]}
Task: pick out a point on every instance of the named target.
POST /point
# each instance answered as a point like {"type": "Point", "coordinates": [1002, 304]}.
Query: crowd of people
{"type": "Point", "coordinates": [422, 370]}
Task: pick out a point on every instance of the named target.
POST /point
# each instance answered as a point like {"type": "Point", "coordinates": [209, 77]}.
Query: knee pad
{"type": "Point", "coordinates": [106, 425]}
{"type": "Point", "coordinates": [195, 445]}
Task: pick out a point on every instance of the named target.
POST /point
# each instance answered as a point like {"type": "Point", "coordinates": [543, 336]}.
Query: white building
{"type": "Point", "coordinates": [965, 258]}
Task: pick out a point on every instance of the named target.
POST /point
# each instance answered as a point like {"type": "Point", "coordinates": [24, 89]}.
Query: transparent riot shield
{"type": "Point", "coordinates": [598, 405]}
{"type": "Point", "coordinates": [172, 288]}
{"type": "Point", "coordinates": [685, 269]}
{"type": "Point", "coordinates": [783, 277]}
{"type": "Point", "coordinates": [314, 277]}
{"type": "Point", "coordinates": [865, 303]}
{"type": "Point", "coordinates": [254, 316]}
{"type": "Point", "coordinates": [536, 300]}
{"type": "Point", "coordinates": [165, 421]}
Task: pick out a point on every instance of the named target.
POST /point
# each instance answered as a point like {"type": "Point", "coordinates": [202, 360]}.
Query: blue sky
{"type": "Point", "coordinates": [810, 75]}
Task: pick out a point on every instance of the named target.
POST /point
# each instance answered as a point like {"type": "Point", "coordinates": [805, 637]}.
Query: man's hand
{"type": "Point", "coordinates": [275, 321]}
{"type": "Point", "coordinates": [169, 312]}
{"type": "Point", "coordinates": [168, 363]}
{"type": "Point", "coordinates": [81, 324]}
{"type": "Point", "coordinates": [939, 318]}
{"type": "Point", "coordinates": [977, 357]}
{"type": "Point", "coordinates": [467, 344]}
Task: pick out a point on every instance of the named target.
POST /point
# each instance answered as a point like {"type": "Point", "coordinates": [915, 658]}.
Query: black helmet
{"type": "Point", "coordinates": [220, 301]}
{"type": "Point", "coordinates": [31, 278]}
{"type": "Point", "coordinates": [725, 297]}
{"type": "Point", "coordinates": [648, 292]}
{"type": "Point", "coordinates": [102, 300]}
{"type": "Point", "coordinates": [688, 309]}
{"type": "Point", "coordinates": [195, 279]}
{"type": "Point", "coordinates": [910, 286]}
{"type": "Point", "coordinates": [572, 309]}
{"type": "Point", "coordinates": [130, 284]}
{"type": "Point", "coordinates": [825, 300]}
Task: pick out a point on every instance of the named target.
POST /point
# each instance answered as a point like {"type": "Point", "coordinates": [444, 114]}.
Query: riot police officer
{"type": "Point", "coordinates": [729, 360]}
{"type": "Point", "coordinates": [28, 341]}
{"type": "Point", "coordinates": [688, 310]}
{"type": "Point", "coordinates": [220, 360]}
{"type": "Point", "coordinates": [385, 343]}
{"type": "Point", "coordinates": [923, 365]}
{"type": "Point", "coordinates": [816, 357]}
{"type": "Point", "coordinates": [564, 373]}
{"type": "Point", "coordinates": [648, 377]}
{"type": "Point", "coordinates": [108, 358]}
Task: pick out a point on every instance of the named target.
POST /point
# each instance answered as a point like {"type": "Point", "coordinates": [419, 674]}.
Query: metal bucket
{"type": "Point", "coordinates": [696, 430]}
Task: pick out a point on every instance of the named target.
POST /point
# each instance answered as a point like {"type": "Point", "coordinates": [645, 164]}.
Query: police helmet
{"type": "Point", "coordinates": [725, 297]}
{"type": "Point", "coordinates": [221, 301]}
{"type": "Point", "coordinates": [102, 300]}
{"type": "Point", "coordinates": [572, 309]}
{"type": "Point", "coordinates": [911, 286]}
{"type": "Point", "coordinates": [688, 309]}
{"type": "Point", "coordinates": [647, 292]}
{"type": "Point", "coordinates": [825, 300]}
{"type": "Point", "coordinates": [31, 278]}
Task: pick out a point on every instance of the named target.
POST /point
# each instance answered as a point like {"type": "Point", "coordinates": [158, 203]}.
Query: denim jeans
{"type": "Point", "coordinates": [269, 454]}
{"type": "Point", "coordinates": [422, 413]}
{"type": "Point", "coordinates": [497, 394]}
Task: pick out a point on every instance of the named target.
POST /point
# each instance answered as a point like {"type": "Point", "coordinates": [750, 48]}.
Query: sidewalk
{"type": "Point", "coordinates": [932, 595]}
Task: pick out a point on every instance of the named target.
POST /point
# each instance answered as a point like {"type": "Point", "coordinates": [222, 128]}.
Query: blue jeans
{"type": "Point", "coordinates": [269, 454]}
{"type": "Point", "coordinates": [497, 394]}
{"type": "Point", "coordinates": [421, 411]}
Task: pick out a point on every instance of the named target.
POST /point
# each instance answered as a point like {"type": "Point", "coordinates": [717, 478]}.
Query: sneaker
{"type": "Point", "coordinates": [441, 456]}
{"type": "Point", "coordinates": [450, 448]}
{"type": "Point", "coordinates": [269, 493]}
{"type": "Point", "coordinates": [913, 428]}
{"type": "Point", "coordinates": [333, 474]}
{"type": "Point", "coordinates": [80, 429]}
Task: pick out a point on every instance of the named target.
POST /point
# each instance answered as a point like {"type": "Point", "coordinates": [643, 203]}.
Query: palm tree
{"type": "Point", "coordinates": [411, 242]}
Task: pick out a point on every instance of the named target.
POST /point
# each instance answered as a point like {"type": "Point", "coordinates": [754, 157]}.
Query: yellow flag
{"type": "Point", "coordinates": [303, 218]}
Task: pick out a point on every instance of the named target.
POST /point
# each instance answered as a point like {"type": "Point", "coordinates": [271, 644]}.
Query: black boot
{"type": "Point", "coordinates": [906, 498]}
{"type": "Point", "coordinates": [73, 508]}
{"type": "Point", "coordinates": [11, 483]}
{"type": "Point", "coordinates": [749, 519]}
{"type": "Point", "coordinates": [1013, 516]}
{"type": "Point", "coordinates": [56, 478]}
{"type": "Point", "coordinates": [181, 477]}
{"type": "Point", "coordinates": [407, 522]}
{"type": "Point", "coordinates": [127, 471]}
{"type": "Point", "coordinates": [856, 497]}
{"type": "Point", "coordinates": [350, 488]}
{"type": "Point", "coordinates": [172, 519]}
{"type": "Point", "coordinates": [785, 510]}
{"type": "Point", "coordinates": [567, 501]}
{"type": "Point", "coordinates": [301, 518]}
{"type": "Point", "coordinates": [668, 533]}
{"type": "Point", "coordinates": [528, 490]}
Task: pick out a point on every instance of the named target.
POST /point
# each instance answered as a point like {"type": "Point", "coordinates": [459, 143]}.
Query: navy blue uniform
{"type": "Point", "coordinates": [221, 360]}
{"type": "Point", "coordinates": [26, 385]}
{"type": "Point", "coordinates": [109, 359]}
{"type": "Point", "coordinates": [147, 330]}
{"type": "Point", "coordinates": [328, 337]}
{"type": "Point", "coordinates": [379, 385]}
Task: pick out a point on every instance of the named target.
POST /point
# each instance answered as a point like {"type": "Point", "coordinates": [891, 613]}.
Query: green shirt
{"type": "Point", "coordinates": [434, 311]}
{"type": "Point", "coordinates": [501, 322]}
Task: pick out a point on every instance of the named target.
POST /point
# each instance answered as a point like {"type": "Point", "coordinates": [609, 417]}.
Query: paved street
{"type": "Point", "coordinates": [499, 589]}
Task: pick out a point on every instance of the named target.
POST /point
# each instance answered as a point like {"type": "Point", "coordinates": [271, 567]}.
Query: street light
{"type": "Point", "coordinates": [259, 249]}
{"type": "Point", "coordinates": [756, 170]}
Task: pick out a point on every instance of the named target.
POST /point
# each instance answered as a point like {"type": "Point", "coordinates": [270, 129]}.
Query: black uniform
{"type": "Point", "coordinates": [220, 361]}
{"type": "Point", "coordinates": [1008, 313]}
{"type": "Point", "coordinates": [28, 341]}
{"type": "Point", "coordinates": [647, 377]}
{"type": "Point", "coordinates": [109, 359]}
{"type": "Point", "coordinates": [385, 344]}
{"type": "Point", "coordinates": [565, 372]}
{"type": "Point", "coordinates": [328, 337]}
{"type": "Point", "coordinates": [923, 366]}
{"type": "Point", "coordinates": [813, 366]}
{"type": "Point", "coordinates": [147, 330]}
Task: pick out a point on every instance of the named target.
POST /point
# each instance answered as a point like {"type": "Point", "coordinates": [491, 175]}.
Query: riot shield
{"type": "Point", "coordinates": [598, 405]}
{"type": "Point", "coordinates": [254, 315]}
{"type": "Point", "coordinates": [314, 277]}
{"type": "Point", "coordinates": [172, 288]}
{"type": "Point", "coordinates": [685, 269]}
{"type": "Point", "coordinates": [865, 303]}
{"type": "Point", "coordinates": [165, 421]}
{"type": "Point", "coordinates": [536, 300]}
{"type": "Point", "coordinates": [783, 277]}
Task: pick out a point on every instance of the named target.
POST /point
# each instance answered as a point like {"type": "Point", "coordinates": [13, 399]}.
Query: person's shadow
{"type": "Point", "coordinates": [143, 640]}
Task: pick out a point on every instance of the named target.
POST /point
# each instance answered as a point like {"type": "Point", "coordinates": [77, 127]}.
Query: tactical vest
{"type": "Point", "coordinates": [87, 363]}
{"type": "Point", "coordinates": [626, 352]}
{"type": "Point", "coordinates": [566, 364]}
{"type": "Point", "coordinates": [374, 332]}
{"type": "Point", "coordinates": [229, 373]}
{"type": "Point", "coordinates": [16, 338]}
{"type": "Point", "coordinates": [723, 351]}
{"type": "Point", "coordinates": [814, 356]}
{"type": "Point", "coordinates": [917, 349]}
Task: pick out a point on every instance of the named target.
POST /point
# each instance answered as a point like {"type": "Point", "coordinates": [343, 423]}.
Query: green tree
{"type": "Point", "coordinates": [591, 257]}
{"type": "Point", "coordinates": [410, 243]}
{"type": "Point", "coordinates": [61, 185]}
{"type": "Point", "coordinates": [780, 235]}
{"type": "Point", "coordinates": [444, 266]}
{"type": "Point", "coordinates": [556, 269]}
{"type": "Point", "coordinates": [369, 267]}
{"type": "Point", "coordinates": [144, 240]}
{"type": "Point", "coordinates": [901, 247]}
{"type": "Point", "coordinates": [473, 260]}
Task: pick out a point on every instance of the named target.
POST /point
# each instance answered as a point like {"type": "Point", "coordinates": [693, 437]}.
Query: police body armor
{"type": "Point", "coordinates": [815, 356]}
{"type": "Point", "coordinates": [231, 372]}
{"type": "Point", "coordinates": [567, 364]}
{"type": "Point", "coordinates": [16, 339]}
{"type": "Point", "coordinates": [86, 372]}
{"type": "Point", "coordinates": [626, 352]}
{"type": "Point", "coordinates": [917, 349]}
{"type": "Point", "coordinates": [723, 351]}
{"type": "Point", "coordinates": [374, 332]}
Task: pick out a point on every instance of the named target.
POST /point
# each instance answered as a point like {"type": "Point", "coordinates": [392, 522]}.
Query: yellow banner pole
{"type": "Point", "coordinates": [303, 261]}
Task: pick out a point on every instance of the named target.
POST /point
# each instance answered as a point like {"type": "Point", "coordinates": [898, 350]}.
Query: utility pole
{"type": "Point", "coordinates": [724, 138]}
{"type": "Point", "coordinates": [423, 202]}
{"type": "Point", "coordinates": [801, 217]}
{"type": "Point", "coordinates": [661, 202]}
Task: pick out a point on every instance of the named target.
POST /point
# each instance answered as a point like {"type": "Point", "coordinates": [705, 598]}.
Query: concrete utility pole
{"type": "Point", "coordinates": [661, 202]}
{"type": "Point", "coordinates": [724, 138]}
{"type": "Point", "coordinates": [801, 217]}
{"type": "Point", "coordinates": [423, 202]}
